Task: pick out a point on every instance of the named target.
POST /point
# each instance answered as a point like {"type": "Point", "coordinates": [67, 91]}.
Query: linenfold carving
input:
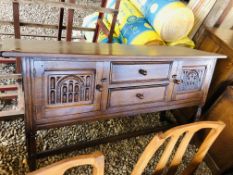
{"type": "Point", "coordinates": [70, 88]}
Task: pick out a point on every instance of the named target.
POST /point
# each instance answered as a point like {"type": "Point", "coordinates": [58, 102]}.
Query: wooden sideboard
{"type": "Point", "coordinates": [66, 83]}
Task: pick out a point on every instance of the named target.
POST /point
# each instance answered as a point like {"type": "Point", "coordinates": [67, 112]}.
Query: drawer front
{"type": "Point", "coordinates": [122, 72]}
{"type": "Point", "coordinates": [139, 95]}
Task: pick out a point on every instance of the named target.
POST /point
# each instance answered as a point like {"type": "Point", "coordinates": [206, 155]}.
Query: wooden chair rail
{"type": "Point", "coordinates": [187, 131]}
{"type": "Point", "coordinates": [104, 28]}
{"type": "Point", "coordinates": [95, 159]}
{"type": "Point", "coordinates": [7, 60]}
{"type": "Point", "coordinates": [12, 92]}
{"type": "Point", "coordinates": [36, 36]}
{"type": "Point", "coordinates": [16, 76]}
{"type": "Point", "coordinates": [46, 26]}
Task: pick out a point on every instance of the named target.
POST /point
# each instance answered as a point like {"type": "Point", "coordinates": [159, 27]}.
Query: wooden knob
{"type": "Point", "coordinates": [143, 72]}
{"type": "Point", "coordinates": [140, 96]}
{"type": "Point", "coordinates": [99, 87]}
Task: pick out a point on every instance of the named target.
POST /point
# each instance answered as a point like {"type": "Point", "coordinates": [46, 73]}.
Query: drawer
{"type": "Point", "coordinates": [138, 95]}
{"type": "Point", "coordinates": [122, 72]}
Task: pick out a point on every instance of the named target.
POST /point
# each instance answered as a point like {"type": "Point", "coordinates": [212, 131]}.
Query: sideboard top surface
{"type": "Point", "coordinates": [44, 49]}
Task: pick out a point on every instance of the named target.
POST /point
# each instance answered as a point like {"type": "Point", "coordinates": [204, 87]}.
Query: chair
{"type": "Point", "coordinates": [187, 131]}
{"type": "Point", "coordinates": [95, 159]}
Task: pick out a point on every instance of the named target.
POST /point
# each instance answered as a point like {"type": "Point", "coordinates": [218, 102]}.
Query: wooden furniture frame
{"type": "Point", "coordinates": [12, 92]}
{"type": "Point", "coordinates": [222, 110]}
{"type": "Point", "coordinates": [17, 23]}
{"type": "Point", "coordinates": [185, 132]}
{"type": "Point", "coordinates": [210, 13]}
{"type": "Point", "coordinates": [98, 81]}
{"type": "Point", "coordinates": [95, 159]}
{"type": "Point", "coordinates": [219, 41]}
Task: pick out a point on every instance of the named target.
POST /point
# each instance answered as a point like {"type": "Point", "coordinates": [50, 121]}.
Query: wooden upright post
{"type": "Point", "coordinates": [70, 19]}
{"type": "Point", "coordinates": [17, 31]}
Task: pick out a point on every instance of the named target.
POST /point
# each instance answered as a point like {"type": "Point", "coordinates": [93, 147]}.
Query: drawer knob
{"type": "Point", "coordinates": [140, 96]}
{"type": "Point", "coordinates": [99, 87]}
{"type": "Point", "coordinates": [143, 72]}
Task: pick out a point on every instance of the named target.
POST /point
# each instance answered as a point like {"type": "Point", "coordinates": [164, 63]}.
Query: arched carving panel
{"type": "Point", "coordinates": [65, 89]}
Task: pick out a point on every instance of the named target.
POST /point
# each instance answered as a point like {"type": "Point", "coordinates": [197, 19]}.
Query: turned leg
{"type": "Point", "coordinates": [31, 149]}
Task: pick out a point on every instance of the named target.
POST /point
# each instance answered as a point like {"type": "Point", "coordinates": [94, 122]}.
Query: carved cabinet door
{"type": "Point", "coordinates": [191, 82]}
{"type": "Point", "coordinates": [66, 89]}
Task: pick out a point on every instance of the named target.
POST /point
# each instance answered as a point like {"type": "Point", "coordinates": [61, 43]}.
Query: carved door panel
{"type": "Point", "coordinates": [192, 80]}
{"type": "Point", "coordinates": [70, 89]}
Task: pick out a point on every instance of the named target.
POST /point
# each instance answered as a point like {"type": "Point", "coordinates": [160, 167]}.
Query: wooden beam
{"type": "Point", "coordinates": [200, 9]}
{"type": "Point", "coordinates": [114, 19]}
{"type": "Point", "coordinates": [40, 36]}
{"type": "Point", "coordinates": [103, 27]}
{"type": "Point", "coordinates": [17, 31]}
{"type": "Point", "coordinates": [48, 26]}
{"type": "Point", "coordinates": [60, 23]}
{"type": "Point", "coordinates": [10, 113]}
{"type": "Point", "coordinates": [7, 60]}
{"type": "Point", "coordinates": [16, 21]}
{"type": "Point", "coordinates": [226, 20]}
{"type": "Point", "coordinates": [211, 19]}
{"type": "Point", "coordinates": [100, 17]}
{"type": "Point", "coordinates": [8, 88]}
{"type": "Point", "coordinates": [9, 96]}
{"type": "Point", "coordinates": [8, 76]}
{"type": "Point", "coordinates": [70, 20]}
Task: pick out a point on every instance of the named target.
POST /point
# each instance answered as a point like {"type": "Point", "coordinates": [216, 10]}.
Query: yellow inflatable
{"type": "Point", "coordinates": [90, 21]}
{"type": "Point", "coordinates": [185, 42]}
{"type": "Point", "coordinates": [172, 19]}
{"type": "Point", "coordinates": [132, 26]}
{"type": "Point", "coordinates": [104, 38]}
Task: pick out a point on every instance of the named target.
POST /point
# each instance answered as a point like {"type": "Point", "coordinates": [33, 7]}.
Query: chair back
{"type": "Point", "coordinates": [95, 159]}
{"type": "Point", "coordinates": [184, 134]}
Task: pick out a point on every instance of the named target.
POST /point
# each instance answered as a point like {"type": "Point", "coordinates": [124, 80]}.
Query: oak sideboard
{"type": "Point", "coordinates": [65, 82]}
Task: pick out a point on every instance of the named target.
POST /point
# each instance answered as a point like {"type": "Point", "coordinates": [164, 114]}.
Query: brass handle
{"type": "Point", "coordinates": [99, 87]}
{"type": "Point", "coordinates": [143, 72]}
{"type": "Point", "coordinates": [140, 96]}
